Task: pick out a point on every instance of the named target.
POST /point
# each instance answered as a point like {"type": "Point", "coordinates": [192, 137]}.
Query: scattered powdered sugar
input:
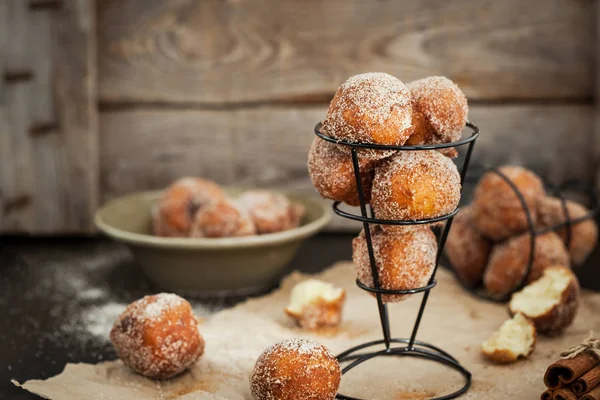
{"type": "Point", "coordinates": [98, 321]}
{"type": "Point", "coordinates": [415, 185]}
{"type": "Point", "coordinates": [442, 104]}
{"type": "Point", "coordinates": [371, 108]}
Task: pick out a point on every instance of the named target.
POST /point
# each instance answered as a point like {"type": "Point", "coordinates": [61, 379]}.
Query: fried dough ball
{"type": "Point", "coordinates": [497, 211]}
{"type": "Point", "coordinates": [509, 260]}
{"type": "Point", "coordinates": [332, 173]}
{"type": "Point", "coordinates": [415, 185]}
{"type": "Point", "coordinates": [174, 211]}
{"type": "Point", "coordinates": [223, 218]}
{"type": "Point", "coordinates": [551, 302]}
{"type": "Point", "coordinates": [157, 336]}
{"type": "Point", "coordinates": [584, 235]}
{"type": "Point", "coordinates": [370, 108]}
{"type": "Point", "coordinates": [271, 212]}
{"type": "Point", "coordinates": [467, 250]}
{"type": "Point", "coordinates": [296, 369]}
{"type": "Point", "coordinates": [404, 261]}
{"type": "Point", "coordinates": [439, 112]}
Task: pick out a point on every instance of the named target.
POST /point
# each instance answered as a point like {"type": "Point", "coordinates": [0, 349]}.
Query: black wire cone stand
{"type": "Point", "coordinates": [410, 347]}
{"type": "Point", "coordinates": [558, 192]}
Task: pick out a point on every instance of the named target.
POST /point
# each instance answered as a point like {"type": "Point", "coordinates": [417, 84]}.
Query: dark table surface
{"type": "Point", "coordinates": [48, 285]}
{"type": "Point", "coordinates": [43, 287]}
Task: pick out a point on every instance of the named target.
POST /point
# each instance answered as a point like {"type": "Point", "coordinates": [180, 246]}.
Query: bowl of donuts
{"type": "Point", "coordinates": [489, 247]}
{"type": "Point", "coordinates": [197, 237]}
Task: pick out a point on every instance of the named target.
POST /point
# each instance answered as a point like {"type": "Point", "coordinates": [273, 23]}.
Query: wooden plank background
{"type": "Point", "coordinates": [189, 87]}
{"type": "Point", "coordinates": [48, 117]}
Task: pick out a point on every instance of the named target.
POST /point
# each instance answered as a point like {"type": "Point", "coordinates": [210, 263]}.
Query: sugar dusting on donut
{"type": "Point", "coordinates": [404, 261]}
{"type": "Point", "coordinates": [271, 212]}
{"type": "Point", "coordinates": [441, 102]}
{"type": "Point", "coordinates": [158, 336]}
{"type": "Point", "coordinates": [295, 368]}
{"type": "Point", "coordinates": [402, 174]}
{"type": "Point", "coordinates": [370, 108]}
{"type": "Point", "coordinates": [332, 173]}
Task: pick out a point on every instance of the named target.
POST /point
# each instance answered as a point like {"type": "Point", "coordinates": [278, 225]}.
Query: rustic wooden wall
{"type": "Point", "coordinates": [48, 116]}
{"type": "Point", "coordinates": [231, 89]}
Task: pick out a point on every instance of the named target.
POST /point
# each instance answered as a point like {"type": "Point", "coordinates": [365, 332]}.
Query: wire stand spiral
{"type": "Point", "coordinates": [534, 232]}
{"type": "Point", "coordinates": [410, 347]}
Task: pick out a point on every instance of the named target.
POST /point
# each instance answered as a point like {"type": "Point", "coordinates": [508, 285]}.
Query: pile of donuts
{"type": "Point", "coordinates": [377, 108]}
{"type": "Point", "coordinates": [490, 241]}
{"type": "Point", "coordinates": [196, 207]}
{"type": "Point", "coordinates": [158, 337]}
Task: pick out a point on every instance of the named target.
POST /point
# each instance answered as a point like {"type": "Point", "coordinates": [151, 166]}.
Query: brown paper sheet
{"type": "Point", "coordinates": [453, 320]}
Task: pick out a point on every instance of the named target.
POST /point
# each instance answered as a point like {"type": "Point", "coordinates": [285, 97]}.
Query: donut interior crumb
{"type": "Point", "coordinates": [310, 291]}
{"type": "Point", "coordinates": [516, 338]}
{"type": "Point", "coordinates": [539, 297]}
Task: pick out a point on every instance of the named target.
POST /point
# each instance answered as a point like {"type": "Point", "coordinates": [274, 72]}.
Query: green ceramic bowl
{"type": "Point", "coordinates": [238, 265]}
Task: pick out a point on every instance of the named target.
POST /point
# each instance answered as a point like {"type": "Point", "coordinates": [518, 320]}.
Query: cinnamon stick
{"type": "Point", "coordinates": [565, 371]}
{"type": "Point", "coordinates": [564, 393]}
{"type": "Point", "coordinates": [547, 395]}
{"type": "Point", "coordinates": [587, 381]}
{"type": "Point", "coordinates": [594, 394]}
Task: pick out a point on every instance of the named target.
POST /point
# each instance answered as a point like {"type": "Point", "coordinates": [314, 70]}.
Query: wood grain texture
{"type": "Point", "coordinates": [217, 51]}
{"type": "Point", "coordinates": [48, 121]}
{"type": "Point", "coordinates": [596, 122]}
{"type": "Point", "coordinates": [267, 146]}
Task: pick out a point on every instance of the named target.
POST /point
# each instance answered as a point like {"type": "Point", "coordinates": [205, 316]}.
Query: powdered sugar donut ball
{"type": "Point", "coordinates": [439, 112]}
{"type": "Point", "coordinates": [467, 250]}
{"type": "Point", "coordinates": [296, 369]}
{"type": "Point", "coordinates": [370, 108]}
{"type": "Point", "coordinates": [271, 212]}
{"type": "Point", "coordinates": [173, 213]}
{"type": "Point", "coordinates": [157, 336]}
{"type": "Point", "coordinates": [223, 218]}
{"type": "Point", "coordinates": [404, 261]}
{"type": "Point", "coordinates": [415, 185]}
{"type": "Point", "coordinates": [509, 260]}
{"type": "Point", "coordinates": [332, 173]}
{"type": "Point", "coordinates": [497, 211]}
{"type": "Point", "coordinates": [584, 235]}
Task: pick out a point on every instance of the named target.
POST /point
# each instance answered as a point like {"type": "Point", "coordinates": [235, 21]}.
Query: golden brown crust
{"type": "Point", "coordinates": [174, 211]}
{"type": "Point", "coordinates": [497, 211]}
{"type": "Point", "coordinates": [223, 218]}
{"type": "Point", "coordinates": [584, 235]}
{"type": "Point", "coordinates": [271, 212]}
{"type": "Point", "coordinates": [332, 173]}
{"type": "Point", "coordinates": [157, 336]}
{"type": "Point", "coordinates": [467, 250]}
{"type": "Point", "coordinates": [508, 261]}
{"type": "Point", "coordinates": [439, 112]}
{"type": "Point", "coordinates": [295, 369]}
{"type": "Point", "coordinates": [370, 108]}
{"type": "Point", "coordinates": [415, 185]}
{"type": "Point", "coordinates": [319, 313]}
{"type": "Point", "coordinates": [561, 314]}
{"type": "Point", "coordinates": [404, 261]}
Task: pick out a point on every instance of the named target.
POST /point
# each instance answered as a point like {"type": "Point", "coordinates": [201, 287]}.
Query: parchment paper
{"type": "Point", "coordinates": [453, 320]}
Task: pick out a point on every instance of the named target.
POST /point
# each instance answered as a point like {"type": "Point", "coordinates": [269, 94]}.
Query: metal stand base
{"type": "Point", "coordinates": [420, 349]}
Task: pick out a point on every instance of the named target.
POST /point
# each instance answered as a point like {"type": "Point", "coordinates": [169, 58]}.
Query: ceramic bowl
{"type": "Point", "coordinates": [239, 265]}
